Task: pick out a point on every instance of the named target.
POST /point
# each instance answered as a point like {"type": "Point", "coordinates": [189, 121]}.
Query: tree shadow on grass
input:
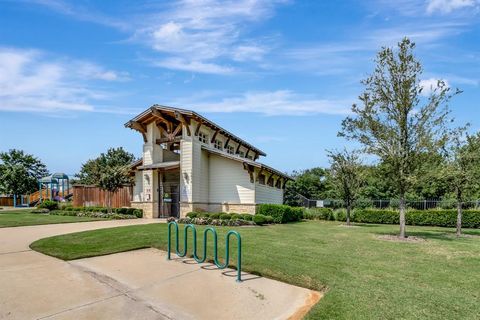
{"type": "Point", "coordinates": [427, 235]}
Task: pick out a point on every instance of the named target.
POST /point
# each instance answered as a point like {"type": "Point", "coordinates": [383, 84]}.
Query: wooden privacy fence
{"type": "Point", "coordinates": [91, 196]}
{"type": "Point", "coordinates": [8, 201]}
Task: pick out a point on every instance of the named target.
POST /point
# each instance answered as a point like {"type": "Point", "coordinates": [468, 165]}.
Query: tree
{"type": "Point", "coordinates": [19, 172]}
{"type": "Point", "coordinates": [462, 170]}
{"type": "Point", "coordinates": [311, 183]}
{"type": "Point", "coordinates": [110, 171]}
{"type": "Point", "coordinates": [397, 120]}
{"type": "Point", "coordinates": [345, 170]}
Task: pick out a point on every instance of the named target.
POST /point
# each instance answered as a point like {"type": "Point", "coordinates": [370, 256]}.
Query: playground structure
{"type": "Point", "coordinates": [215, 246]}
{"type": "Point", "coordinates": [52, 186]}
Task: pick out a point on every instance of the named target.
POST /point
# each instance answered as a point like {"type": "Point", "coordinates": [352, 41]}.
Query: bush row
{"type": "Point", "coordinates": [93, 214]}
{"type": "Point", "coordinates": [216, 222]}
{"type": "Point", "coordinates": [220, 215]}
{"type": "Point", "coordinates": [433, 217]}
{"type": "Point", "coordinates": [125, 211]}
{"type": "Point", "coordinates": [281, 213]}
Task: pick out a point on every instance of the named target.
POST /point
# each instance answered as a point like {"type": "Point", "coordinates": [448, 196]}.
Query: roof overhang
{"type": "Point", "coordinates": [179, 115]}
{"type": "Point", "coordinates": [169, 165]}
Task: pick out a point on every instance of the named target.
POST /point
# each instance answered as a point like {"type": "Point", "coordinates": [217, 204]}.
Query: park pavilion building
{"type": "Point", "coordinates": [190, 163]}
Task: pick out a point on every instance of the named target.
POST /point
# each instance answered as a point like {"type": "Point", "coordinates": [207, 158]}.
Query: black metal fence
{"type": "Point", "coordinates": [424, 204]}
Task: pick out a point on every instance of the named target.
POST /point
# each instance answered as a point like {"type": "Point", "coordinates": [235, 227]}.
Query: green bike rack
{"type": "Point", "coordinates": [215, 247]}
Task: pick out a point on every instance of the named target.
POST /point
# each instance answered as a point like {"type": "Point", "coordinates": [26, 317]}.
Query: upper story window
{"type": "Point", "coordinates": [241, 154]}
{"type": "Point", "coordinates": [278, 184]}
{"type": "Point", "coordinates": [218, 145]}
{"type": "Point", "coordinates": [250, 157]}
{"type": "Point", "coordinates": [261, 179]}
{"type": "Point", "coordinates": [202, 137]}
{"type": "Point", "coordinates": [270, 182]}
{"type": "Point", "coordinates": [230, 149]}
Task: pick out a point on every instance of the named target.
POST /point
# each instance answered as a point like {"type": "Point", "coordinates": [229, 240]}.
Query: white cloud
{"type": "Point", "coordinates": [200, 34]}
{"type": "Point", "coordinates": [448, 6]}
{"type": "Point", "coordinates": [31, 81]}
{"type": "Point", "coordinates": [429, 85]}
{"type": "Point", "coordinates": [280, 102]}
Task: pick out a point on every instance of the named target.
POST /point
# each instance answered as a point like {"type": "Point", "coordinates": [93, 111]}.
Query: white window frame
{"type": "Point", "coordinates": [203, 137]}
{"type": "Point", "coordinates": [218, 144]}
{"type": "Point", "coordinates": [230, 149]}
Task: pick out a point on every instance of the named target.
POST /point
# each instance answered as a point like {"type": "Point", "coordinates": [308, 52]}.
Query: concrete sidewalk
{"type": "Point", "coordinates": [184, 289]}
{"type": "Point", "coordinates": [138, 284]}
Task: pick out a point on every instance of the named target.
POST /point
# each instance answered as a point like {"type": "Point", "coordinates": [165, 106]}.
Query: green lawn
{"type": "Point", "coordinates": [364, 278]}
{"type": "Point", "coordinates": [17, 218]}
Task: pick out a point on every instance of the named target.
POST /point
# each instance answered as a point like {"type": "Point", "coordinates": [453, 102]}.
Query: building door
{"type": "Point", "coordinates": [170, 200]}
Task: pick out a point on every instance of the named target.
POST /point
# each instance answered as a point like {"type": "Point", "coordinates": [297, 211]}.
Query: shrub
{"type": "Point", "coordinates": [215, 215]}
{"type": "Point", "coordinates": [377, 216]}
{"type": "Point", "coordinates": [260, 219]}
{"type": "Point", "coordinates": [318, 214]}
{"type": "Point", "coordinates": [48, 204]}
{"type": "Point", "coordinates": [192, 215]}
{"type": "Point", "coordinates": [236, 216]}
{"type": "Point", "coordinates": [247, 216]}
{"type": "Point", "coordinates": [433, 217]}
{"type": "Point", "coordinates": [268, 219]}
{"type": "Point", "coordinates": [225, 216]}
{"type": "Point", "coordinates": [138, 213]}
{"type": "Point", "coordinates": [281, 213]}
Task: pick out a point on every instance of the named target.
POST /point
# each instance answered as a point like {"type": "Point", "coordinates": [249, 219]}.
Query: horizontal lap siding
{"type": "Point", "coordinates": [89, 196]}
{"type": "Point", "coordinates": [266, 194]}
{"type": "Point", "coordinates": [229, 182]}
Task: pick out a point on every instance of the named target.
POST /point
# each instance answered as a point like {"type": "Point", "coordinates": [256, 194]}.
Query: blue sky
{"type": "Point", "coordinates": [280, 74]}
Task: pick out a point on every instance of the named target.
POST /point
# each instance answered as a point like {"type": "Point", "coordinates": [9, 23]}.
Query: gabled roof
{"type": "Point", "coordinates": [172, 113]}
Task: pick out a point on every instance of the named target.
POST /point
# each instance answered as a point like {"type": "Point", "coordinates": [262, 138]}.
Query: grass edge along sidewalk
{"type": "Point", "coordinates": [363, 277]}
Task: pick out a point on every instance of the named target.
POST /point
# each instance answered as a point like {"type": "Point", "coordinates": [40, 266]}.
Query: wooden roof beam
{"type": "Point", "coordinates": [162, 118]}
{"type": "Point", "coordinates": [184, 121]}
{"type": "Point", "coordinates": [197, 131]}
{"type": "Point", "coordinates": [226, 143]}
{"type": "Point", "coordinates": [214, 136]}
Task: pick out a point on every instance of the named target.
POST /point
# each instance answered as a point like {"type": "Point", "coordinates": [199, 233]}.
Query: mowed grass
{"type": "Point", "coordinates": [17, 218]}
{"type": "Point", "coordinates": [362, 277]}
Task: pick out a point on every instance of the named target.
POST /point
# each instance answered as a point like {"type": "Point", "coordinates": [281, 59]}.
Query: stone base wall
{"type": "Point", "coordinates": [150, 209]}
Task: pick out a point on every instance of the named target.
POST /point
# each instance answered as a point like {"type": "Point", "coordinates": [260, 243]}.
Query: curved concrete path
{"type": "Point", "coordinates": [139, 284]}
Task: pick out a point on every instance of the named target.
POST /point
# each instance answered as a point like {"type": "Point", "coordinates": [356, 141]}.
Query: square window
{"type": "Point", "coordinates": [261, 179]}
{"type": "Point", "coordinates": [202, 137]}
{"type": "Point", "coordinates": [241, 154]}
{"type": "Point", "coordinates": [218, 145]}
{"type": "Point", "coordinates": [230, 150]}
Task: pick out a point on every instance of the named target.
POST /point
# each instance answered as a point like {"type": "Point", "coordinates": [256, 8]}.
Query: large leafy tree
{"type": "Point", "coordinates": [308, 184]}
{"type": "Point", "coordinates": [345, 171]}
{"type": "Point", "coordinates": [396, 121]}
{"type": "Point", "coordinates": [462, 170]}
{"type": "Point", "coordinates": [110, 171]}
{"type": "Point", "coordinates": [19, 172]}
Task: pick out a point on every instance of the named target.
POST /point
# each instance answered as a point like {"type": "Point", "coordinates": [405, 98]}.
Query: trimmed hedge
{"type": "Point", "coordinates": [319, 214]}
{"type": "Point", "coordinates": [434, 217]}
{"type": "Point", "coordinates": [48, 204]}
{"type": "Point", "coordinates": [281, 213]}
{"type": "Point", "coordinates": [125, 211]}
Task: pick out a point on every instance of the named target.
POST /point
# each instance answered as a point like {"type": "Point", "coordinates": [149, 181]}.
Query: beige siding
{"type": "Point", "coordinates": [204, 176]}
{"type": "Point", "coordinates": [186, 151]}
{"type": "Point", "coordinates": [138, 187]}
{"type": "Point", "coordinates": [266, 194]}
{"type": "Point", "coordinates": [229, 182]}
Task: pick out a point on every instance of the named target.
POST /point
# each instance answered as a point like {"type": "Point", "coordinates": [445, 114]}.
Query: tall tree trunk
{"type": "Point", "coordinates": [349, 208]}
{"type": "Point", "coordinates": [459, 218]}
{"type": "Point", "coordinates": [402, 216]}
